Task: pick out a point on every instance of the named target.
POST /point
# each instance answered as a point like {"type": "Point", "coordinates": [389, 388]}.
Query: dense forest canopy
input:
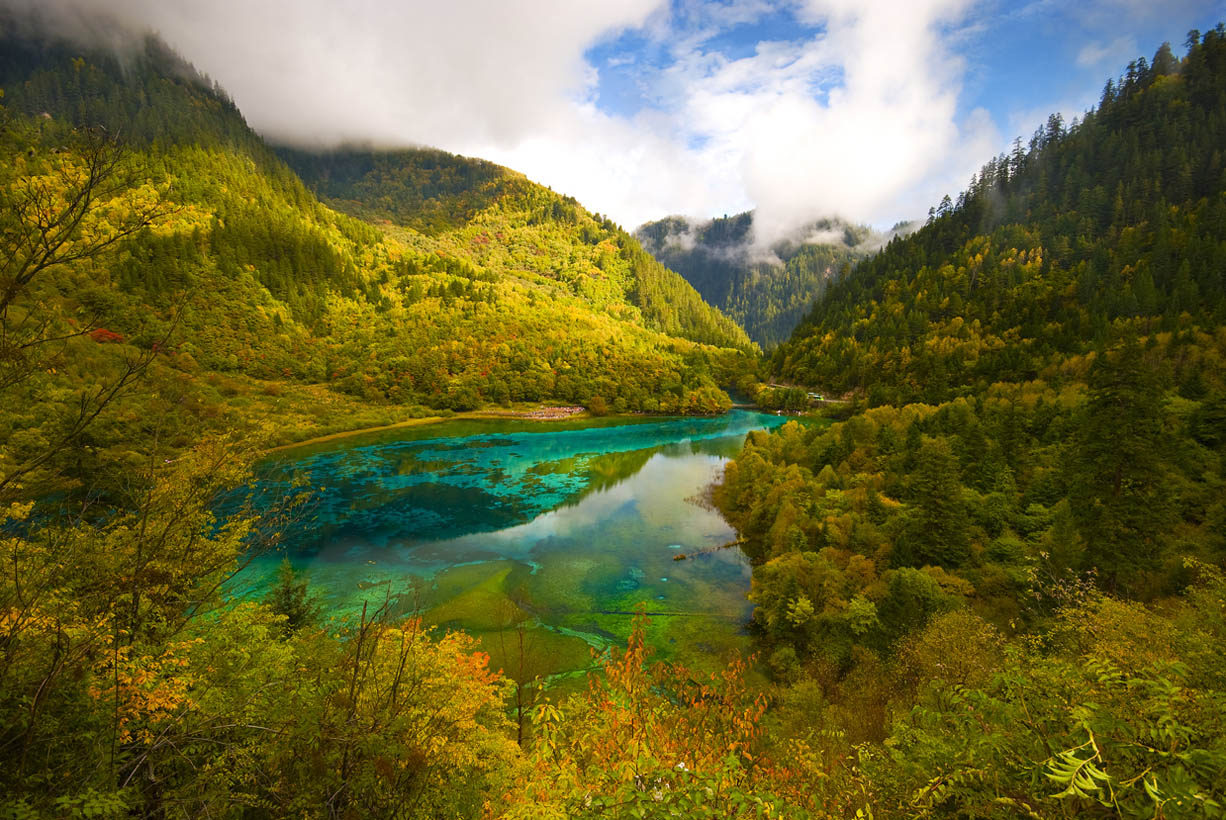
{"type": "Point", "coordinates": [1113, 222]}
{"type": "Point", "coordinates": [500, 220]}
{"type": "Point", "coordinates": [992, 589]}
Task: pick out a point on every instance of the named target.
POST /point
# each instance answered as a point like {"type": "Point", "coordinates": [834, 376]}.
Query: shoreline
{"type": "Point", "coordinates": [550, 413]}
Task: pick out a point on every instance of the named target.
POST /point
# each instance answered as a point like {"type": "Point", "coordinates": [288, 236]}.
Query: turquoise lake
{"type": "Point", "coordinates": [561, 527]}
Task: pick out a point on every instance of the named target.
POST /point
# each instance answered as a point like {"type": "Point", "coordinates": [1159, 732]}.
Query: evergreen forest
{"type": "Point", "coordinates": [993, 587]}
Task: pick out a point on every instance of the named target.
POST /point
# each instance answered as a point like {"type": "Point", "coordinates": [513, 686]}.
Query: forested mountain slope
{"type": "Point", "coordinates": [239, 272]}
{"type": "Point", "coordinates": [1119, 219]}
{"type": "Point", "coordinates": [499, 220]}
{"type": "Point", "coordinates": [1012, 544]}
{"type": "Point", "coordinates": [767, 290]}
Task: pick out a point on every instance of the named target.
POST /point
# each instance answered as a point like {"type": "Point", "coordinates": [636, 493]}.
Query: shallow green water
{"type": "Point", "coordinates": [562, 527]}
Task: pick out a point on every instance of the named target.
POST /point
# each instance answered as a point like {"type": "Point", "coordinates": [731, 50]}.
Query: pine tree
{"type": "Point", "coordinates": [290, 597]}
{"type": "Point", "coordinates": [938, 529]}
{"type": "Point", "coordinates": [1118, 484]}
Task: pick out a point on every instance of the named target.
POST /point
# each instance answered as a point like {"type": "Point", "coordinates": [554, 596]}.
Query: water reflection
{"type": "Point", "coordinates": [568, 528]}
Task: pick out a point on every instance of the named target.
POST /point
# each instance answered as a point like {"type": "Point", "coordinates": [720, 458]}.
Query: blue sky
{"type": "Point", "coordinates": [866, 109]}
{"type": "Point", "coordinates": [1020, 57]}
{"type": "Point", "coordinates": [630, 62]}
{"type": "Point", "coordinates": [1006, 65]}
{"type": "Point", "coordinates": [1032, 57]}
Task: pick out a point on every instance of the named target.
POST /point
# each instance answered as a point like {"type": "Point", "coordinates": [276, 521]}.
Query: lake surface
{"type": "Point", "coordinates": [561, 527]}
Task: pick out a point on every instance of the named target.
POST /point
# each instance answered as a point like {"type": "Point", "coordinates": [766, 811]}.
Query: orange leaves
{"type": "Point", "coordinates": [103, 335]}
{"type": "Point", "coordinates": [471, 665]}
{"type": "Point", "coordinates": [145, 690]}
{"type": "Point", "coordinates": [649, 738]}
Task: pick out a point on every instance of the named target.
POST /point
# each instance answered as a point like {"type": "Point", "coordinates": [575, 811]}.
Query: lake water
{"type": "Point", "coordinates": [564, 528]}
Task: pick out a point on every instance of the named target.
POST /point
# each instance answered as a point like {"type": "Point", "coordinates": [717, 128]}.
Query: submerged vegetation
{"type": "Point", "coordinates": [994, 589]}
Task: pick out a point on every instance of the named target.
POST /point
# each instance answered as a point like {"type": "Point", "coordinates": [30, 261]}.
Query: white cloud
{"type": "Point", "coordinates": [860, 119]}
{"type": "Point", "coordinates": [887, 143]}
{"type": "Point", "coordinates": [377, 69]}
{"type": "Point", "coordinates": [1095, 54]}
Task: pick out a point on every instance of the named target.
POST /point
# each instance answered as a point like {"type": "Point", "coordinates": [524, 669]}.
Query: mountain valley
{"type": "Point", "coordinates": [345, 482]}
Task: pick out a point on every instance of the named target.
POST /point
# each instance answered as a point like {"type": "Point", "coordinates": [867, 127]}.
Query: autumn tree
{"type": "Point", "coordinates": [58, 208]}
{"type": "Point", "coordinates": [655, 739]}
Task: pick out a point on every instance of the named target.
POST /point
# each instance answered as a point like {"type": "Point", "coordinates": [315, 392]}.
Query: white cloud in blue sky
{"type": "Point", "coordinates": [1107, 55]}
{"type": "Point", "coordinates": [870, 109]}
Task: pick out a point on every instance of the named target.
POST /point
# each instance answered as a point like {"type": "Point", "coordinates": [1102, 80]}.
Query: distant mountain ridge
{"type": "Point", "coordinates": [766, 288]}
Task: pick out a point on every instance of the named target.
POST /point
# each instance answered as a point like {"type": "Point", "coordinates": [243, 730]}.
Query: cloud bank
{"type": "Point", "coordinates": [853, 112]}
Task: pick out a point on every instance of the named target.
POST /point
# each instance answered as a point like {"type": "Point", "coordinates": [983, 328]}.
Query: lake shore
{"type": "Point", "coordinates": [548, 413]}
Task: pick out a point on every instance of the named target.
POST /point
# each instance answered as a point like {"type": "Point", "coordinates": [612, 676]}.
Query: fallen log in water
{"type": "Point", "coordinates": [681, 556]}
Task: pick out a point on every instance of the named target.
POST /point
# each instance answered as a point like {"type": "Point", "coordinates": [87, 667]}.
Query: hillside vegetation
{"type": "Point", "coordinates": [242, 282]}
{"type": "Point", "coordinates": [1053, 251]}
{"type": "Point", "coordinates": [1002, 570]}
{"type": "Point", "coordinates": [498, 220]}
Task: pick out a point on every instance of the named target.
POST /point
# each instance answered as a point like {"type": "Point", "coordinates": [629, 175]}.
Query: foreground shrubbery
{"type": "Point", "coordinates": [130, 687]}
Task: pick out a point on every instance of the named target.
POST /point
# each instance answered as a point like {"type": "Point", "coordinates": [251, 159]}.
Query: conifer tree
{"type": "Point", "coordinates": [937, 533]}
{"type": "Point", "coordinates": [1118, 485]}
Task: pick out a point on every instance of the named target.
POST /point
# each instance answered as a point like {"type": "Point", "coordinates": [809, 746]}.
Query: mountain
{"type": "Point", "coordinates": [768, 290]}
{"type": "Point", "coordinates": [240, 287]}
{"type": "Point", "coordinates": [498, 219]}
{"type": "Point", "coordinates": [1114, 223]}
{"type": "Point", "coordinates": [1013, 533]}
